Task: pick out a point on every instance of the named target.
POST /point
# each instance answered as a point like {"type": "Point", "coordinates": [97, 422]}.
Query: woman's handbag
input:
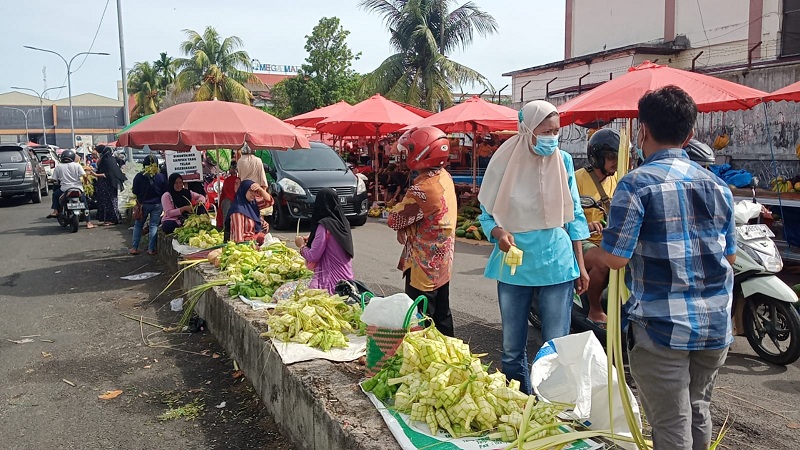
{"type": "Point", "coordinates": [138, 213]}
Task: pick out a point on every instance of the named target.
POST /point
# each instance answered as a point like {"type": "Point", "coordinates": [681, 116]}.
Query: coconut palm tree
{"type": "Point", "coordinates": [424, 32]}
{"type": "Point", "coordinates": [214, 67]}
{"type": "Point", "coordinates": [144, 85]}
{"type": "Point", "coordinates": [165, 66]}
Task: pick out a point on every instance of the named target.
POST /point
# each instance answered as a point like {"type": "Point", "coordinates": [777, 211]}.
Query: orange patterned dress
{"type": "Point", "coordinates": [427, 216]}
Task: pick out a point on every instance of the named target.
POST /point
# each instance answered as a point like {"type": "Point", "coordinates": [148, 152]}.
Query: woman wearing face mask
{"type": "Point", "coordinates": [529, 199]}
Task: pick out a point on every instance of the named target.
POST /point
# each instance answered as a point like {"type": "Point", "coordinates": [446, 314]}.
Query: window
{"type": "Point", "coordinates": [790, 34]}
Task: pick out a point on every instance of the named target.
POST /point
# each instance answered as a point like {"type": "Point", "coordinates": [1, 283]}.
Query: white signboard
{"type": "Point", "coordinates": [83, 140]}
{"type": "Point", "coordinates": [188, 164]}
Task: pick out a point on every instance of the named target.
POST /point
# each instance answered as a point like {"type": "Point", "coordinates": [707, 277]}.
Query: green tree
{"type": "Point", "coordinates": [165, 67]}
{"type": "Point", "coordinates": [423, 33]}
{"type": "Point", "coordinates": [326, 77]}
{"type": "Point", "coordinates": [144, 85]}
{"type": "Point", "coordinates": [214, 67]}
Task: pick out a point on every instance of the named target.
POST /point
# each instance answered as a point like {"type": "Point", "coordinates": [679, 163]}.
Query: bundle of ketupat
{"type": "Point", "coordinates": [435, 379]}
{"type": "Point", "coordinates": [206, 239]}
{"type": "Point", "coordinates": [315, 318]}
{"type": "Point", "coordinates": [192, 226]}
{"type": "Point", "coordinates": [257, 274]}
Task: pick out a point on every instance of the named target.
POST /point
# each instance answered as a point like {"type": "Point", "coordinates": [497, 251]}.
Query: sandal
{"type": "Point", "coordinates": [601, 325]}
{"type": "Point", "coordinates": [133, 251]}
{"type": "Point", "coordinates": [151, 253]}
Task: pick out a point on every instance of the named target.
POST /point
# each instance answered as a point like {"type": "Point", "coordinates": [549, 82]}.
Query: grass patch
{"type": "Point", "coordinates": [189, 411]}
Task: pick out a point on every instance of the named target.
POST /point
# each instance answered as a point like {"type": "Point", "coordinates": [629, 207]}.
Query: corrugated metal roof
{"type": "Point", "coordinates": [18, 98]}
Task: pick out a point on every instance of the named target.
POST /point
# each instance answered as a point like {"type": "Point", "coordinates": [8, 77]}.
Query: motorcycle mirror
{"type": "Point", "coordinates": [588, 202]}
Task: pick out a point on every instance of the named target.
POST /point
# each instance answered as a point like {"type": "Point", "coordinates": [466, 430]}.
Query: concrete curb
{"type": "Point", "coordinates": [318, 404]}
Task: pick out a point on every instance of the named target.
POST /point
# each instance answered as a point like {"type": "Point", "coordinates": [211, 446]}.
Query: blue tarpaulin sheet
{"type": "Point", "coordinates": [737, 177]}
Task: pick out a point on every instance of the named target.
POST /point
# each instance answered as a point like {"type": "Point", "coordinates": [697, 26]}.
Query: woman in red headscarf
{"type": "Point", "coordinates": [227, 197]}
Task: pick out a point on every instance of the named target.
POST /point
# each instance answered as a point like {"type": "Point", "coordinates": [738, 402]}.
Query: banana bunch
{"type": "Point", "coordinates": [513, 259]}
{"type": "Point", "coordinates": [150, 170]}
{"type": "Point", "coordinates": [721, 141]}
{"type": "Point", "coordinates": [88, 184]}
{"type": "Point", "coordinates": [781, 184]}
{"type": "Point", "coordinates": [797, 150]}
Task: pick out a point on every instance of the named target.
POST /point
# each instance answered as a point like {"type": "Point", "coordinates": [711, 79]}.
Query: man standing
{"type": "Point", "coordinates": [598, 180]}
{"type": "Point", "coordinates": [425, 221]}
{"type": "Point", "coordinates": [679, 272]}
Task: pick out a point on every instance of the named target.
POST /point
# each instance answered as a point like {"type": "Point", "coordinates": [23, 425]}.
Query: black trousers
{"type": "Point", "coordinates": [438, 305]}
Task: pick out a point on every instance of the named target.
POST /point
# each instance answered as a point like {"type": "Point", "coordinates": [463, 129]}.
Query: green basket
{"type": "Point", "coordinates": [382, 343]}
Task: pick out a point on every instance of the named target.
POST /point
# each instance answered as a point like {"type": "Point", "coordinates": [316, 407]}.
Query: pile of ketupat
{"type": "Point", "coordinates": [315, 318]}
{"type": "Point", "coordinates": [192, 227]}
{"type": "Point", "coordinates": [436, 380]}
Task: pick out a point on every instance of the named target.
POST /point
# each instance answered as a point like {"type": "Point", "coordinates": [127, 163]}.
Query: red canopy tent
{"type": "Point", "coordinates": [372, 117]}
{"type": "Point", "coordinates": [212, 125]}
{"type": "Point", "coordinates": [790, 93]}
{"type": "Point", "coordinates": [312, 118]}
{"type": "Point", "coordinates": [618, 98]}
{"type": "Point", "coordinates": [472, 115]}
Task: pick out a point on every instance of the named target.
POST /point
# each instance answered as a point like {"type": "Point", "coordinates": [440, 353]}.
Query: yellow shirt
{"type": "Point", "coordinates": [484, 150]}
{"type": "Point", "coordinates": [586, 187]}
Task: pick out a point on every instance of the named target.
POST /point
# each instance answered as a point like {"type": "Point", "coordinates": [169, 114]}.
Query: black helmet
{"type": "Point", "coordinates": [68, 156]}
{"type": "Point", "coordinates": [602, 144]}
{"type": "Point", "coordinates": [700, 153]}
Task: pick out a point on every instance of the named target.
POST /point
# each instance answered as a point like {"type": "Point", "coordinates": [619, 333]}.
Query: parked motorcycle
{"type": "Point", "coordinates": [71, 209]}
{"type": "Point", "coordinates": [763, 305]}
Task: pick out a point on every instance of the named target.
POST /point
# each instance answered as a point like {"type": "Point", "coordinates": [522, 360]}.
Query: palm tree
{"type": "Point", "coordinates": [165, 66]}
{"type": "Point", "coordinates": [424, 32]}
{"type": "Point", "coordinates": [214, 67]}
{"type": "Point", "coordinates": [144, 85]}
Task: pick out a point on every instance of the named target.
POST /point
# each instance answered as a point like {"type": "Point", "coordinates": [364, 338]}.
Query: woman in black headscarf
{"type": "Point", "coordinates": [329, 248]}
{"type": "Point", "coordinates": [110, 181]}
{"type": "Point", "coordinates": [243, 218]}
{"type": "Point", "coordinates": [178, 202]}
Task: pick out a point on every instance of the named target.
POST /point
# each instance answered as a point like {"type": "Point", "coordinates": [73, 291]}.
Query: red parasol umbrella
{"type": "Point", "coordinates": [372, 117]}
{"type": "Point", "coordinates": [790, 93]}
{"type": "Point", "coordinates": [211, 125]}
{"type": "Point", "coordinates": [312, 118]}
{"type": "Point", "coordinates": [618, 98]}
{"type": "Point", "coordinates": [471, 115]}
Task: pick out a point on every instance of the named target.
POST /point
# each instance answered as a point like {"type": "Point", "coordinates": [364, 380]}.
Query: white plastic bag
{"type": "Point", "coordinates": [387, 312]}
{"type": "Point", "coordinates": [574, 369]}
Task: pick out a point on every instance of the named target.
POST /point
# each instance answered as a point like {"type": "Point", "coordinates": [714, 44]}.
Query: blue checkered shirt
{"type": "Point", "coordinates": [674, 221]}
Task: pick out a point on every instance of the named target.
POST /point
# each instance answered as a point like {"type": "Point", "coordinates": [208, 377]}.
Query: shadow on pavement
{"type": "Point", "coordinates": [741, 364]}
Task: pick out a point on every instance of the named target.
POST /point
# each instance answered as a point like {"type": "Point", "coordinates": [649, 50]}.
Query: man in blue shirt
{"type": "Point", "coordinates": [671, 223]}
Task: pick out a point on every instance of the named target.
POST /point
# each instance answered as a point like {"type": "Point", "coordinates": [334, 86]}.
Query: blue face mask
{"type": "Point", "coordinates": [640, 153]}
{"type": "Point", "coordinates": [545, 145]}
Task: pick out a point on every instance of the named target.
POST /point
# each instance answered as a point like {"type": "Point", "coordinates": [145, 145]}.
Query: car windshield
{"type": "Point", "coordinates": [314, 158]}
{"type": "Point", "coordinates": [11, 155]}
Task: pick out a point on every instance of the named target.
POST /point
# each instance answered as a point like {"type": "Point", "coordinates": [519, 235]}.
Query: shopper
{"type": "Point", "coordinates": [529, 199]}
{"type": "Point", "coordinates": [148, 187]}
{"type": "Point", "coordinates": [178, 202]}
{"type": "Point", "coordinates": [110, 180]}
{"type": "Point", "coordinates": [425, 221]}
{"type": "Point", "coordinates": [226, 198]}
{"type": "Point", "coordinates": [329, 248]}
{"type": "Point", "coordinates": [672, 224]}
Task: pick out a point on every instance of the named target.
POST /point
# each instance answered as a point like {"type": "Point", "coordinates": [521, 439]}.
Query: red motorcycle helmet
{"type": "Point", "coordinates": [425, 147]}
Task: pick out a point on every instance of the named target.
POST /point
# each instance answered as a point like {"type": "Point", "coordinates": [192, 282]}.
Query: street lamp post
{"type": "Point", "coordinates": [41, 105]}
{"type": "Point", "coordinates": [24, 113]}
{"type": "Point", "coordinates": [69, 81]}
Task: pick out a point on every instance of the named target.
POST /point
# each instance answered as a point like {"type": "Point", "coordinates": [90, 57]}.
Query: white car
{"type": "Point", "coordinates": [48, 157]}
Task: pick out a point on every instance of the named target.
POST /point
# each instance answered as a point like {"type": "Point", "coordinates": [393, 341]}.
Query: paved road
{"type": "Point", "coordinates": [65, 288]}
{"type": "Point", "coordinates": [763, 400]}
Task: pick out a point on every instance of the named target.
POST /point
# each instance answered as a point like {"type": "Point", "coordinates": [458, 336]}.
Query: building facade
{"type": "Point", "coordinates": [97, 119]}
{"type": "Point", "coordinates": [752, 42]}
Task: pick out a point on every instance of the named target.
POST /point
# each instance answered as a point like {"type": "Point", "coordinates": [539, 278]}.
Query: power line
{"type": "Point", "coordinates": [90, 47]}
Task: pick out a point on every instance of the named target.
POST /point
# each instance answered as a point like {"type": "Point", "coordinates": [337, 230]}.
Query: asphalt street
{"type": "Point", "coordinates": [63, 292]}
{"type": "Point", "coordinates": [65, 288]}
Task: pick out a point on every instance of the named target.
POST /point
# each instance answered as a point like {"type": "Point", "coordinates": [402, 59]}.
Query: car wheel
{"type": "Point", "coordinates": [358, 221]}
{"type": "Point", "coordinates": [36, 196]}
{"type": "Point", "coordinates": [280, 217]}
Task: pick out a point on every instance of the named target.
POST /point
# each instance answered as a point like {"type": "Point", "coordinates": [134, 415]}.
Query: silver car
{"type": "Point", "coordinates": [21, 173]}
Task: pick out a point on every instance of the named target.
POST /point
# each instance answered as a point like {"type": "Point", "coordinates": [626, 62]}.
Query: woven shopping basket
{"type": "Point", "coordinates": [382, 343]}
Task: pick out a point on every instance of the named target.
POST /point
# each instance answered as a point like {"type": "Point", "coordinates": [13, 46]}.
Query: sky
{"type": "Point", "coordinates": [273, 32]}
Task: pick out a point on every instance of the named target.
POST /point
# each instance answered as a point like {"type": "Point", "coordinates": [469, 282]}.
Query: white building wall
{"type": "Point", "coordinates": [606, 24]}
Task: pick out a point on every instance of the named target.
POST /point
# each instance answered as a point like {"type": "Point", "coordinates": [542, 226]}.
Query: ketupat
{"type": "Point", "coordinates": [442, 384]}
{"type": "Point", "coordinates": [270, 269]}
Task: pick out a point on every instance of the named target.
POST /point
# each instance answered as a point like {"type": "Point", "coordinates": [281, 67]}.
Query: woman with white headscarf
{"type": "Point", "coordinates": [529, 199]}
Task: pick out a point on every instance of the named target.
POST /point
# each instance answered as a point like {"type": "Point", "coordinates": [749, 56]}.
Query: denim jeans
{"type": "Point", "coordinates": [154, 212]}
{"type": "Point", "coordinates": [555, 306]}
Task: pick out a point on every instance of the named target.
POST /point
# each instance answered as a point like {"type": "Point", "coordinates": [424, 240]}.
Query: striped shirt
{"type": "Point", "coordinates": [674, 220]}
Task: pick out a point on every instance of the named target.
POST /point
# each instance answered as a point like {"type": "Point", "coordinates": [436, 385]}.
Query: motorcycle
{"type": "Point", "coordinates": [71, 209]}
{"type": "Point", "coordinates": [763, 307]}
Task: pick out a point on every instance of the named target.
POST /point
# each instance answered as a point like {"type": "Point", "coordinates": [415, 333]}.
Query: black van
{"type": "Point", "coordinates": [296, 177]}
